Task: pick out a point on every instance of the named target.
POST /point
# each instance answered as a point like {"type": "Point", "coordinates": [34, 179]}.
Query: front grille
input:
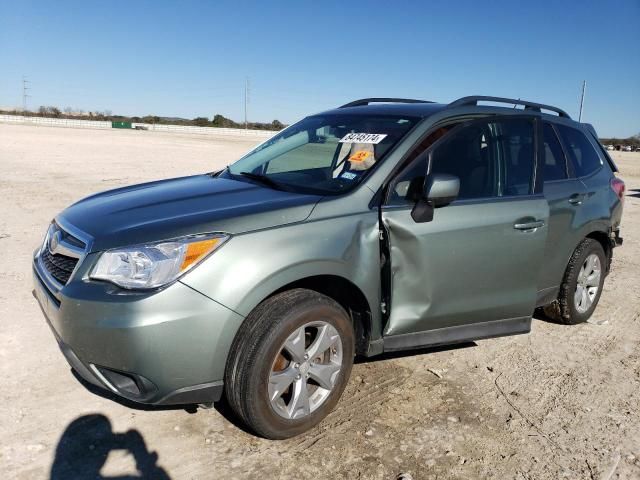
{"type": "Point", "coordinates": [59, 255]}
{"type": "Point", "coordinates": [59, 266]}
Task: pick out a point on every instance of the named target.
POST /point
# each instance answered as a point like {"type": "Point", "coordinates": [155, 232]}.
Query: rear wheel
{"type": "Point", "coordinates": [290, 363]}
{"type": "Point", "coordinates": [582, 285]}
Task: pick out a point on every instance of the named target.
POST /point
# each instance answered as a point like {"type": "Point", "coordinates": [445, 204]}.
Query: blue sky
{"type": "Point", "coordinates": [191, 58]}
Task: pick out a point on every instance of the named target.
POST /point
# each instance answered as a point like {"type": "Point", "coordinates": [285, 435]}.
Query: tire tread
{"type": "Point", "coordinates": [258, 329]}
{"type": "Point", "coordinates": [562, 310]}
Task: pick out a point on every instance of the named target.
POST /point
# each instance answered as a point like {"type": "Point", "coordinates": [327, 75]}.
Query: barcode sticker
{"type": "Point", "coordinates": [373, 138]}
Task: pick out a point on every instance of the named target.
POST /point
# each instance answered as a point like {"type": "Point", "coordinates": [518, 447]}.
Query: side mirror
{"type": "Point", "coordinates": [439, 190]}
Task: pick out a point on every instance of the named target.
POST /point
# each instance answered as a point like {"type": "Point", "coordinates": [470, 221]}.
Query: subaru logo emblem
{"type": "Point", "coordinates": [54, 241]}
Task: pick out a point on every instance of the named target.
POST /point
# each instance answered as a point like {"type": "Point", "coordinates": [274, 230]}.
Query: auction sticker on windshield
{"type": "Point", "coordinates": [374, 138]}
{"type": "Point", "coordinates": [359, 156]}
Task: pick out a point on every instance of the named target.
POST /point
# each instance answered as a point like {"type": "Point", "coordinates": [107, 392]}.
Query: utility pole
{"type": "Point", "coordinates": [584, 88]}
{"type": "Point", "coordinates": [25, 89]}
{"type": "Point", "coordinates": [246, 101]}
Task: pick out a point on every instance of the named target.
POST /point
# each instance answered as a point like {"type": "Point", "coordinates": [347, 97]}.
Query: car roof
{"type": "Point", "coordinates": [421, 110]}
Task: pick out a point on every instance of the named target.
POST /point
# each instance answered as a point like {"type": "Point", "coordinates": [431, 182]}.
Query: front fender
{"type": "Point", "coordinates": [250, 267]}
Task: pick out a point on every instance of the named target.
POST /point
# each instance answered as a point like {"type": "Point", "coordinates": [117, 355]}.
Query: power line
{"type": "Point", "coordinates": [25, 89]}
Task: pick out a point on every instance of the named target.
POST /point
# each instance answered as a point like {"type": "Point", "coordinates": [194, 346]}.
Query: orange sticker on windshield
{"type": "Point", "coordinates": [360, 156]}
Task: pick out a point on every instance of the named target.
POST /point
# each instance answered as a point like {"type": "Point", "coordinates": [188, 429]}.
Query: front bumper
{"type": "Point", "coordinates": [165, 347]}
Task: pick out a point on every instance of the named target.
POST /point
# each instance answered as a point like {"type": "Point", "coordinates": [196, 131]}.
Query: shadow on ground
{"type": "Point", "coordinates": [539, 314]}
{"type": "Point", "coordinates": [85, 444]}
{"type": "Point", "coordinates": [222, 407]}
{"type": "Point", "coordinates": [636, 193]}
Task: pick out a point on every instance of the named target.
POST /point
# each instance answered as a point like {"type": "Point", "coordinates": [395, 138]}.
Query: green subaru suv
{"type": "Point", "coordinates": [383, 225]}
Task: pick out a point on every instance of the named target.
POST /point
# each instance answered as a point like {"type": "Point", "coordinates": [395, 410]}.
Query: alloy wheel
{"type": "Point", "coordinates": [305, 370]}
{"type": "Point", "coordinates": [588, 283]}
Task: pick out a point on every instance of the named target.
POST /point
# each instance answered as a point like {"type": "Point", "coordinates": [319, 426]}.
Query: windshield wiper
{"type": "Point", "coordinates": [263, 179]}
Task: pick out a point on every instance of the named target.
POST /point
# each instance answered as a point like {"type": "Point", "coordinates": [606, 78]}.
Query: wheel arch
{"type": "Point", "coordinates": [603, 239]}
{"type": "Point", "coordinates": [348, 295]}
{"type": "Point", "coordinates": [600, 236]}
{"type": "Point", "coordinates": [593, 233]}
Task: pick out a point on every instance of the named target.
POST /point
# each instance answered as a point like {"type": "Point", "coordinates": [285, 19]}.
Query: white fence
{"type": "Point", "coordinates": [207, 130]}
{"type": "Point", "coordinates": [63, 122]}
{"type": "Point", "coordinates": [54, 122]}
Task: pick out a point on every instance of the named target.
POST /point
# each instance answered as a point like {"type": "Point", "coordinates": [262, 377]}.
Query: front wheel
{"type": "Point", "coordinates": [290, 363]}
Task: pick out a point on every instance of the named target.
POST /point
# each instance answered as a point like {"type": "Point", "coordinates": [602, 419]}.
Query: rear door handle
{"type": "Point", "coordinates": [576, 199]}
{"type": "Point", "coordinates": [529, 225]}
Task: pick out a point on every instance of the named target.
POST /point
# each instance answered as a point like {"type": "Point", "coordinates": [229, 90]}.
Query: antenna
{"type": "Point", "coordinates": [584, 89]}
{"type": "Point", "coordinates": [25, 89]}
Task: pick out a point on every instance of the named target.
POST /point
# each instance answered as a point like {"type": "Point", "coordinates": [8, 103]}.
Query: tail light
{"type": "Point", "coordinates": [618, 186]}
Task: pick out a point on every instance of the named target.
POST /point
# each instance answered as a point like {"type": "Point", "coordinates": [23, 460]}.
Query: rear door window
{"type": "Point", "coordinates": [584, 157]}
{"type": "Point", "coordinates": [555, 166]}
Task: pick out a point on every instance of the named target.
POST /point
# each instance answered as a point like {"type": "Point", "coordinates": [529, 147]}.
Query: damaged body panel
{"type": "Point", "coordinates": [325, 245]}
{"type": "Point", "coordinates": [469, 265]}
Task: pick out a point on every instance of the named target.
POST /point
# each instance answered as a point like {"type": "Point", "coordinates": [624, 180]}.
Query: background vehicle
{"type": "Point", "coordinates": [383, 225]}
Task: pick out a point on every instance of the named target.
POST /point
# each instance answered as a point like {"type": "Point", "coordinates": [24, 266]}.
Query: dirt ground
{"type": "Point", "coordinates": [562, 402]}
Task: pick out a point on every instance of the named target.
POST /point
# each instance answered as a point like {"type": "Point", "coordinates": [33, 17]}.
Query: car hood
{"type": "Point", "coordinates": [183, 206]}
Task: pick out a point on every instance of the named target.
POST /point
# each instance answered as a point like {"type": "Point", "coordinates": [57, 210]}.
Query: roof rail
{"type": "Point", "coordinates": [367, 101]}
{"type": "Point", "coordinates": [473, 100]}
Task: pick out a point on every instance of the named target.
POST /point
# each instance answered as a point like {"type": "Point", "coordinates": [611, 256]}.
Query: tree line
{"type": "Point", "coordinates": [217, 121]}
{"type": "Point", "coordinates": [634, 141]}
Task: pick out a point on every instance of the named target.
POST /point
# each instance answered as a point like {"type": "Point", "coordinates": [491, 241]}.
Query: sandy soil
{"type": "Point", "coordinates": [562, 402]}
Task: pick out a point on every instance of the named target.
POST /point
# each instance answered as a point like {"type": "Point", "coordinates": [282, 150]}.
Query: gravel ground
{"type": "Point", "coordinates": [562, 402]}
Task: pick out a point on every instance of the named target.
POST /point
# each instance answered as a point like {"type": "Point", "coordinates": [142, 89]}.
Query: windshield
{"type": "Point", "coordinates": [326, 154]}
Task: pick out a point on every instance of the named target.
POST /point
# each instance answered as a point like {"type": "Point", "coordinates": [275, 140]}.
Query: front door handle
{"type": "Point", "coordinates": [529, 225]}
{"type": "Point", "coordinates": [576, 199]}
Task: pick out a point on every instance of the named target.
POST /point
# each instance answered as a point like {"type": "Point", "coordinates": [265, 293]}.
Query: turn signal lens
{"type": "Point", "coordinates": [197, 250]}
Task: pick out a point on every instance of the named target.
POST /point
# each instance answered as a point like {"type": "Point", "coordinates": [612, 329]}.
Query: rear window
{"type": "Point", "coordinates": [583, 156]}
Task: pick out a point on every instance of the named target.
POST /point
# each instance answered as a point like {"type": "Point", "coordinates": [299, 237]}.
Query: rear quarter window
{"type": "Point", "coordinates": [584, 157]}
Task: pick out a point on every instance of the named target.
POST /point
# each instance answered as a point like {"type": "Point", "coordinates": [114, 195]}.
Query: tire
{"type": "Point", "coordinates": [260, 364]}
{"type": "Point", "coordinates": [567, 309]}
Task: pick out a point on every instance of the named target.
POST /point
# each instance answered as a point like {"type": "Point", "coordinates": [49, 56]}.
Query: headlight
{"type": "Point", "coordinates": [156, 264]}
